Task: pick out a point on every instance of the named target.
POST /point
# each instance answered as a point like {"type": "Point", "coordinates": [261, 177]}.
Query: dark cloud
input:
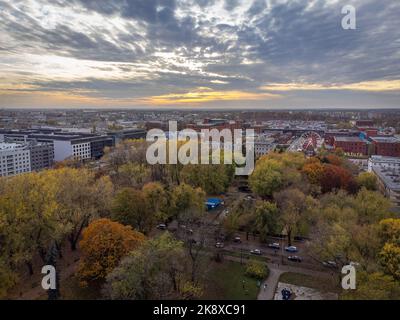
{"type": "Point", "coordinates": [267, 41]}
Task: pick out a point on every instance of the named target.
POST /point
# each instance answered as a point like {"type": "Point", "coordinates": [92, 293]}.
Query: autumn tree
{"type": "Point", "coordinates": [187, 203]}
{"type": "Point", "coordinates": [266, 178]}
{"type": "Point", "coordinates": [266, 219]}
{"type": "Point", "coordinates": [132, 175]}
{"type": "Point", "coordinates": [28, 219]}
{"type": "Point", "coordinates": [294, 208]}
{"type": "Point", "coordinates": [213, 178]}
{"type": "Point", "coordinates": [130, 207]}
{"type": "Point", "coordinates": [104, 243]}
{"type": "Point", "coordinates": [390, 259]}
{"type": "Point", "coordinates": [156, 270]}
{"type": "Point", "coordinates": [371, 206]}
{"type": "Point", "coordinates": [156, 198]}
{"type": "Point", "coordinates": [335, 177]}
{"type": "Point", "coordinates": [373, 286]}
{"type": "Point", "coordinates": [274, 172]}
{"type": "Point", "coordinates": [80, 198]}
{"type": "Point", "coordinates": [367, 180]}
{"type": "Point", "coordinates": [390, 230]}
{"type": "Point", "coordinates": [127, 151]}
{"type": "Point", "coordinates": [313, 170]}
{"type": "Point", "coordinates": [346, 228]}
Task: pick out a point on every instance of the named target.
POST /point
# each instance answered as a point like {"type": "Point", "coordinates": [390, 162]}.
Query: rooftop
{"type": "Point", "coordinates": [10, 146]}
{"type": "Point", "coordinates": [390, 176]}
{"type": "Point", "coordinates": [348, 139]}
{"type": "Point", "coordinates": [386, 139]}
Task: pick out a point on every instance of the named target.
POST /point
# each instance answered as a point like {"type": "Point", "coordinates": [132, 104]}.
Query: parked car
{"type": "Point", "coordinates": [274, 245]}
{"type": "Point", "coordinates": [295, 258]}
{"type": "Point", "coordinates": [329, 264]}
{"type": "Point", "coordinates": [257, 252]}
{"type": "Point", "coordinates": [162, 226]}
{"type": "Point", "coordinates": [237, 240]}
{"type": "Point", "coordinates": [219, 245]}
{"type": "Point", "coordinates": [291, 249]}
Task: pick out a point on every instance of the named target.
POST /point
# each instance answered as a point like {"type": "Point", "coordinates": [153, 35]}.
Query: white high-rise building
{"type": "Point", "coordinates": [14, 159]}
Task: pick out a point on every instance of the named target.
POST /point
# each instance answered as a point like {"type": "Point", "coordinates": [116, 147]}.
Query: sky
{"type": "Point", "coordinates": [239, 54]}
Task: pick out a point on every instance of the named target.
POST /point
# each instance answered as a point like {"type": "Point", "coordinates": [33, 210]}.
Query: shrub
{"type": "Point", "coordinates": [256, 269]}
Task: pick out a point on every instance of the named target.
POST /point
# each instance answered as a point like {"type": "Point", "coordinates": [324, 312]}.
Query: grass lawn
{"type": "Point", "coordinates": [246, 256]}
{"type": "Point", "coordinates": [225, 281]}
{"type": "Point", "coordinates": [321, 284]}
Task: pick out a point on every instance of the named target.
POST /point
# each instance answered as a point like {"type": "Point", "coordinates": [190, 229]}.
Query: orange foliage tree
{"type": "Point", "coordinates": [103, 245]}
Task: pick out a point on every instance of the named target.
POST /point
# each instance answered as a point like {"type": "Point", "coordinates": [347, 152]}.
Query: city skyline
{"type": "Point", "coordinates": [198, 54]}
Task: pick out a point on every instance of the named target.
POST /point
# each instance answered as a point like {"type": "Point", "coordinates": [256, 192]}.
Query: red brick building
{"type": "Point", "coordinates": [386, 146]}
{"type": "Point", "coordinates": [351, 145]}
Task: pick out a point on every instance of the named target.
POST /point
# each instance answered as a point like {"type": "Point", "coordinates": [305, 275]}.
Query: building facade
{"type": "Point", "coordinates": [386, 146]}
{"type": "Point", "coordinates": [351, 145]}
{"type": "Point", "coordinates": [42, 155]}
{"type": "Point", "coordinates": [14, 159]}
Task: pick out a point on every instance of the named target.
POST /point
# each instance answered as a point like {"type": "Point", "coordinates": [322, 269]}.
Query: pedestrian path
{"type": "Point", "coordinates": [268, 286]}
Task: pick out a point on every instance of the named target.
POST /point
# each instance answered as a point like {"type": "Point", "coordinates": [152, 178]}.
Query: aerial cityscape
{"type": "Point", "coordinates": [199, 150]}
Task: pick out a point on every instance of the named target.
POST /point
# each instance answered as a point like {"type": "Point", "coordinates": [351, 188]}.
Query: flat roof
{"type": "Point", "coordinates": [348, 139]}
{"type": "Point", "coordinates": [10, 146]}
{"type": "Point", "coordinates": [390, 176]}
{"type": "Point", "coordinates": [386, 139]}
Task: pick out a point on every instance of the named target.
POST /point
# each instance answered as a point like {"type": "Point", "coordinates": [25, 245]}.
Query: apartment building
{"type": "Point", "coordinates": [14, 159]}
{"type": "Point", "coordinates": [42, 155]}
{"type": "Point", "coordinates": [66, 145]}
{"type": "Point", "coordinates": [263, 145]}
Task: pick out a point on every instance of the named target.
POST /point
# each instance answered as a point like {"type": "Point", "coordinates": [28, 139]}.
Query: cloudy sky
{"type": "Point", "coordinates": [204, 53]}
